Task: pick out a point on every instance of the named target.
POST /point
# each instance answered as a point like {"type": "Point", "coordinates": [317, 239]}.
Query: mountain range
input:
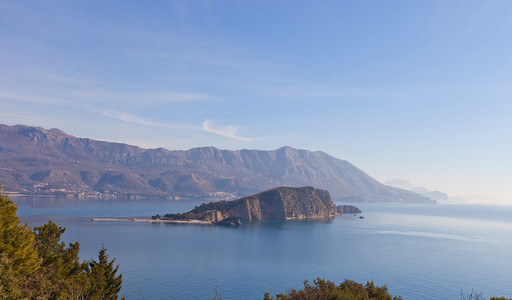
{"type": "Point", "coordinates": [34, 160]}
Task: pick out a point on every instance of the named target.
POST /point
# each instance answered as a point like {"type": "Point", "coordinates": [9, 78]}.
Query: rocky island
{"type": "Point", "coordinates": [280, 203]}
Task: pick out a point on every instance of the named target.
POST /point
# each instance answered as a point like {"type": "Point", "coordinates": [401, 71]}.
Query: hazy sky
{"type": "Point", "coordinates": [417, 90]}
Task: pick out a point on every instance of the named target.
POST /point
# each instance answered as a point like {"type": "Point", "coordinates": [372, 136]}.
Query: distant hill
{"type": "Point", "coordinates": [36, 160]}
{"type": "Point", "coordinates": [435, 195]}
{"type": "Point", "coordinates": [401, 184]}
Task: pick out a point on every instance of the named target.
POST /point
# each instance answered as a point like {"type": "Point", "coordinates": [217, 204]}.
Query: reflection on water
{"type": "Point", "coordinates": [49, 201]}
{"type": "Point", "coordinates": [282, 223]}
{"type": "Point", "coordinates": [97, 207]}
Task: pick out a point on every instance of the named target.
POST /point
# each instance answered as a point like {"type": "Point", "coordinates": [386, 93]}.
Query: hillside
{"type": "Point", "coordinates": [35, 160]}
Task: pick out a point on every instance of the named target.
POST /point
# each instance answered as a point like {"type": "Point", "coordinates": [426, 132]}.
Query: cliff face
{"type": "Point", "coordinates": [281, 203]}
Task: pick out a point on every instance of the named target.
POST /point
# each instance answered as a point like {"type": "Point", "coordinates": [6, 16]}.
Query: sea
{"type": "Point", "coordinates": [419, 251]}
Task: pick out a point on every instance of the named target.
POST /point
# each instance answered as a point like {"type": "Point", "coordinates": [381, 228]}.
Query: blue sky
{"type": "Point", "coordinates": [417, 90]}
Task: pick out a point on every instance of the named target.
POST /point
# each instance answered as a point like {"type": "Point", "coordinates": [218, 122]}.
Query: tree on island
{"type": "Point", "coordinates": [34, 263]}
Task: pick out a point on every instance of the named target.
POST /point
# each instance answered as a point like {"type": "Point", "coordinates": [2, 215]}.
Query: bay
{"type": "Point", "coordinates": [418, 251]}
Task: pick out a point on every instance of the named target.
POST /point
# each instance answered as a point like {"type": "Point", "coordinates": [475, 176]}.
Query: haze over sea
{"type": "Point", "coordinates": [419, 251]}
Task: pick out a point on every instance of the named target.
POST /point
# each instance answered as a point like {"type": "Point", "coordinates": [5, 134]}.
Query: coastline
{"type": "Point", "coordinates": [201, 222]}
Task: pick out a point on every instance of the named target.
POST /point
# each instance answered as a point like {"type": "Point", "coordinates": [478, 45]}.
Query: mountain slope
{"type": "Point", "coordinates": [35, 160]}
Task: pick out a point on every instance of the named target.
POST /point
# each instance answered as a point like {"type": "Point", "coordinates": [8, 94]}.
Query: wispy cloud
{"type": "Point", "coordinates": [61, 95]}
{"type": "Point", "coordinates": [207, 126]}
{"type": "Point", "coordinates": [286, 91]}
{"type": "Point", "coordinates": [191, 49]}
{"type": "Point", "coordinates": [15, 118]}
{"type": "Point", "coordinates": [303, 90]}
{"type": "Point", "coordinates": [9, 95]}
{"type": "Point", "coordinates": [129, 118]}
{"type": "Point", "coordinates": [180, 97]}
{"type": "Point", "coordinates": [156, 98]}
{"type": "Point", "coordinates": [227, 131]}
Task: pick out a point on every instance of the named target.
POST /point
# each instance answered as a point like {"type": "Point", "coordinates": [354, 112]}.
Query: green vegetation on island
{"type": "Point", "coordinates": [35, 264]}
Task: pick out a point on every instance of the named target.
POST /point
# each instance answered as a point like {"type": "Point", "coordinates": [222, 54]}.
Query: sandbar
{"type": "Point", "coordinates": [155, 221]}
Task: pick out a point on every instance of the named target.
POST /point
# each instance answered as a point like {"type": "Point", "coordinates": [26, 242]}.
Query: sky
{"type": "Point", "coordinates": [414, 90]}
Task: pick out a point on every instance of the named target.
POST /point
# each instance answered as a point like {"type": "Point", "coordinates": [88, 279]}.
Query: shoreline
{"type": "Point", "coordinates": [201, 222]}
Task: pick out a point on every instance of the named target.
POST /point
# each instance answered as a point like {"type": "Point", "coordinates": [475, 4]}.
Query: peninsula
{"type": "Point", "coordinates": [280, 203]}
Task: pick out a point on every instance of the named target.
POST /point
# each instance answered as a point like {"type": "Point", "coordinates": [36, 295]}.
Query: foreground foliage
{"type": "Point", "coordinates": [35, 264]}
{"type": "Point", "coordinates": [328, 290]}
{"type": "Point", "coordinates": [478, 296]}
{"type": "Point", "coordinates": [350, 290]}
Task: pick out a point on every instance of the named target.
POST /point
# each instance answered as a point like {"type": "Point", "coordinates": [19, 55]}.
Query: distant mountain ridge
{"type": "Point", "coordinates": [35, 160]}
{"type": "Point", "coordinates": [435, 195]}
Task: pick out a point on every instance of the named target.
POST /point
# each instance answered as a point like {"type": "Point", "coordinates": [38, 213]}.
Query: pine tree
{"type": "Point", "coordinates": [9, 281]}
{"type": "Point", "coordinates": [16, 239]}
{"type": "Point", "coordinates": [35, 264]}
{"type": "Point", "coordinates": [61, 275]}
{"type": "Point", "coordinates": [102, 275]}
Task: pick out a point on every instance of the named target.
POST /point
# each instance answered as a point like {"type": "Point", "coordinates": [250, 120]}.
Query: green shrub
{"type": "Point", "coordinates": [327, 290]}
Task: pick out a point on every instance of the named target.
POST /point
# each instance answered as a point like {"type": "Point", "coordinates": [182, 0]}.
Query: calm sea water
{"type": "Point", "coordinates": [418, 251]}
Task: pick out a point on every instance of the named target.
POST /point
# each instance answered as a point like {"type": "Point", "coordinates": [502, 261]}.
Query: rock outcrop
{"type": "Point", "coordinates": [347, 209]}
{"type": "Point", "coordinates": [280, 203]}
